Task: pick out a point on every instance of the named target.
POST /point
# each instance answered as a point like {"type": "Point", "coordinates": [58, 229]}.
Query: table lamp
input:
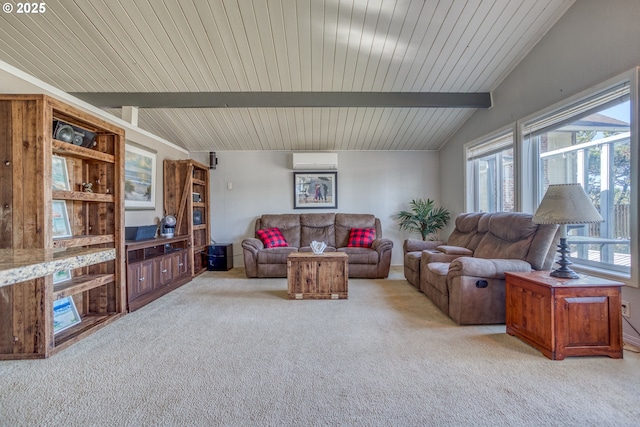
{"type": "Point", "coordinates": [566, 204]}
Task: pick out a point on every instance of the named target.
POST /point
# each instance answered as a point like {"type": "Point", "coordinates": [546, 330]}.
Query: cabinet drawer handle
{"type": "Point", "coordinates": [164, 271]}
{"type": "Point", "coordinates": [181, 264]}
{"type": "Point", "coordinates": [141, 279]}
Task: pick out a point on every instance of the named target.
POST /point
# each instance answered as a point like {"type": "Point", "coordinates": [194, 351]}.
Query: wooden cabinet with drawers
{"type": "Point", "coordinates": [155, 267]}
{"type": "Point", "coordinates": [565, 317]}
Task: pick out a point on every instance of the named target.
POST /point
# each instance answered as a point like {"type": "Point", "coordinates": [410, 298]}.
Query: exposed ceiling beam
{"type": "Point", "coordinates": [286, 99]}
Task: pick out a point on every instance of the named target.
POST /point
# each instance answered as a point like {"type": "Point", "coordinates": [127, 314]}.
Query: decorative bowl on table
{"type": "Point", "coordinates": [318, 247]}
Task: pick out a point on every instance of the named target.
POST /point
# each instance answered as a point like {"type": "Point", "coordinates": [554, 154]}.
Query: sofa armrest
{"type": "Point", "coordinates": [250, 248]}
{"type": "Point", "coordinates": [252, 244]}
{"type": "Point", "coordinates": [434, 255]}
{"type": "Point", "coordinates": [380, 245]}
{"type": "Point", "coordinates": [454, 250]}
{"type": "Point", "coordinates": [415, 245]}
{"type": "Point", "coordinates": [487, 268]}
{"type": "Point", "coordinates": [383, 247]}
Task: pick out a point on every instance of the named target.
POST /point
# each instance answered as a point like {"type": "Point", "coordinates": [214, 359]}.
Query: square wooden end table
{"type": "Point", "coordinates": [565, 317]}
{"type": "Point", "coordinates": [312, 276]}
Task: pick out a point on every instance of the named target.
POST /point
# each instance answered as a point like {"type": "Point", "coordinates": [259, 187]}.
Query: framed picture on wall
{"type": "Point", "coordinates": [315, 190]}
{"type": "Point", "coordinates": [139, 178]}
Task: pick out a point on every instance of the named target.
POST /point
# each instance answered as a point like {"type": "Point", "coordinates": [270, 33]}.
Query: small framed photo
{"type": "Point", "coordinates": [61, 276]}
{"type": "Point", "coordinates": [65, 314]}
{"type": "Point", "coordinates": [315, 190]}
{"type": "Point", "coordinates": [61, 226]}
{"type": "Point", "coordinates": [59, 174]}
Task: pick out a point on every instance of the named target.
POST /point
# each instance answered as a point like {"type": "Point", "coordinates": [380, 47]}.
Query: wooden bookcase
{"type": "Point", "coordinates": [96, 220]}
{"type": "Point", "coordinates": [186, 193]}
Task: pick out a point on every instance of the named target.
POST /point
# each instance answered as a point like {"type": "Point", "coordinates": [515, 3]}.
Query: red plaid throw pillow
{"type": "Point", "coordinates": [361, 237]}
{"type": "Point", "coordinates": [272, 238]}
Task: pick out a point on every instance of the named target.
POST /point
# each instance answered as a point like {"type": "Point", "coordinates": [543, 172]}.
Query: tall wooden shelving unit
{"type": "Point", "coordinates": [183, 179]}
{"type": "Point", "coordinates": [96, 220]}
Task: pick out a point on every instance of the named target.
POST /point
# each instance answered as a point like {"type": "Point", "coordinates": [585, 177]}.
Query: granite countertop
{"type": "Point", "coordinates": [20, 265]}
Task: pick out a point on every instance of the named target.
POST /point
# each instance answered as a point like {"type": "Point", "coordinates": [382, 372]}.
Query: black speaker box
{"type": "Point", "coordinates": [73, 135]}
{"type": "Point", "coordinates": [197, 218]}
{"type": "Point", "coordinates": [213, 160]}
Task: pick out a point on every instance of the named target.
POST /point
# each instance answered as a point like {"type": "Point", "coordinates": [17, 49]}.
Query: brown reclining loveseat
{"type": "Point", "coordinates": [465, 278]}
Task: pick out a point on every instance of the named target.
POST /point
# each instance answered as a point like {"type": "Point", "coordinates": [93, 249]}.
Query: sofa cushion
{"type": "Point", "coordinates": [288, 224]}
{"type": "Point", "coordinates": [271, 238]}
{"type": "Point", "coordinates": [508, 236]}
{"type": "Point", "coordinates": [275, 255]}
{"type": "Point", "coordinates": [466, 228]}
{"type": "Point", "coordinates": [318, 227]}
{"type": "Point", "coordinates": [360, 255]}
{"type": "Point", "coordinates": [345, 222]}
{"type": "Point", "coordinates": [437, 276]}
{"type": "Point", "coordinates": [308, 249]}
{"type": "Point", "coordinates": [412, 260]}
{"type": "Point", "coordinates": [361, 237]}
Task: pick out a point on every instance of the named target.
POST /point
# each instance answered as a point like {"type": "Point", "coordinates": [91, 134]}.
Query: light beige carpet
{"type": "Point", "coordinates": [226, 350]}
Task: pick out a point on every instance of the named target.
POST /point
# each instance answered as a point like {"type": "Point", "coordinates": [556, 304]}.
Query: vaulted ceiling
{"type": "Point", "coordinates": [176, 52]}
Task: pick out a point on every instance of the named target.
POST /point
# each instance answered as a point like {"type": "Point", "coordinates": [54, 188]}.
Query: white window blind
{"type": "Point", "coordinates": [493, 146]}
{"type": "Point", "coordinates": [585, 107]}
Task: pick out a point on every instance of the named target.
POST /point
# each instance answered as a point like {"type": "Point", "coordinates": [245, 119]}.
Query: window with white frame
{"type": "Point", "coordinates": [490, 174]}
{"type": "Point", "coordinates": [589, 142]}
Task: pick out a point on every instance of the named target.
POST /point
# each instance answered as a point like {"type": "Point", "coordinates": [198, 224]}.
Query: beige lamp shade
{"type": "Point", "coordinates": [566, 204]}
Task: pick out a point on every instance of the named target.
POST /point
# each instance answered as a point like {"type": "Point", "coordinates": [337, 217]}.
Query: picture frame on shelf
{"type": "Point", "coordinates": [139, 178]}
{"type": "Point", "coordinates": [61, 276]}
{"type": "Point", "coordinates": [59, 174]}
{"type": "Point", "coordinates": [315, 190]}
{"type": "Point", "coordinates": [61, 226]}
{"type": "Point", "coordinates": [65, 314]}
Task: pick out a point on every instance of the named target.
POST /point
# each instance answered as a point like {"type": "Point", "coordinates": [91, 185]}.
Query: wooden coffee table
{"type": "Point", "coordinates": [312, 276]}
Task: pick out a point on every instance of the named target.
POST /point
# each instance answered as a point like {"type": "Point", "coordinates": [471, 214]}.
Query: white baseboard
{"type": "Point", "coordinates": [634, 341]}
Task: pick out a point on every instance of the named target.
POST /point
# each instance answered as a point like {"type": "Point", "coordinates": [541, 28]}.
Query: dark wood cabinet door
{"type": "Point", "coordinates": [180, 264]}
{"type": "Point", "coordinates": [164, 271]}
{"type": "Point", "coordinates": [588, 322]}
{"type": "Point", "coordinates": [139, 279]}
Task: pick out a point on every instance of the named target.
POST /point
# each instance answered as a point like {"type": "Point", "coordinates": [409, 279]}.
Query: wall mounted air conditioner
{"type": "Point", "coordinates": [315, 161]}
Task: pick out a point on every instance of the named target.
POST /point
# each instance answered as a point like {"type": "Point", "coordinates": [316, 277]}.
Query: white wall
{"type": "Point", "coordinates": [594, 41]}
{"type": "Point", "coordinates": [380, 183]}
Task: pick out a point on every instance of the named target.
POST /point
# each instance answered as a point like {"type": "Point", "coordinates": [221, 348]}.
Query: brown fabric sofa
{"type": "Point", "coordinates": [465, 278]}
{"type": "Point", "coordinates": [301, 229]}
{"type": "Point", "coordinates": [464, 235]}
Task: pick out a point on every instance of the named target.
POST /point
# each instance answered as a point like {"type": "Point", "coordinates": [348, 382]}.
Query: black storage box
{"type": "Point", "coordinates": [220, 257]}
{"type": "Point", "coordinates": [142, 232]}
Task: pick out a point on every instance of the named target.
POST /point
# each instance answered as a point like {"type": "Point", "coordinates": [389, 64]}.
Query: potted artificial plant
{"type": "Point", "coordinates": [424, 218]}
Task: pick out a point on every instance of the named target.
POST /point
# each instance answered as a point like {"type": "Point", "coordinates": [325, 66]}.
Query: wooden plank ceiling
{"type": "Point", "coordinates": [463, 46]}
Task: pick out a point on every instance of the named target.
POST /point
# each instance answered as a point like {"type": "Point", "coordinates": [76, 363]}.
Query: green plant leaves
{"type": "Point", "coordinates": [424, 218]}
